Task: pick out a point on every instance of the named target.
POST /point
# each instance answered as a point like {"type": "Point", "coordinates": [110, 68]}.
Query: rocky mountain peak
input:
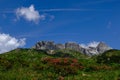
{"type": "Point", "coordinates": [102, 47]}
{"type": "Point", "coordinates": [91, 50]}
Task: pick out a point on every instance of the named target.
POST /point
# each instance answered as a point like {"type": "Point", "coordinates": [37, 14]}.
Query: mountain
{"type": "Point", "coordinates": [102, 47]}
{"type": "Point", "coordinates": [63, 64]}
{"type": "Point", "coordinates": [50, 45]}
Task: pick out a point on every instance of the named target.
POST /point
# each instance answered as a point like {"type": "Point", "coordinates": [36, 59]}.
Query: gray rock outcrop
{"type": "Point", "coordinates": [59, 46]}
{"type": "Point", "coordinates": [90, 51]}
{"type": "Point", "coordinates": [45, 45]}
{"type": "Point", "coordinates": [51, 46]}
{"type": "Point", "coordinates": [72, 46]}
{"type": "Point", "coordinates": [102, 47]}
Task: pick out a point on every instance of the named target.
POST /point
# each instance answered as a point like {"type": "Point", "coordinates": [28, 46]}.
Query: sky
{"type": "Point", "coordinates": [25, 22]}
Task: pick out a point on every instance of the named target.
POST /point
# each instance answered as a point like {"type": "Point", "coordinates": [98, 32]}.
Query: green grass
{"type": "Point", "coordinates": [31, 64]}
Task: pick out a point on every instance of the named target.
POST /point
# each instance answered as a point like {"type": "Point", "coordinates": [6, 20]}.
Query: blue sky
{"type": "Point", "coordinates": [81, 21]}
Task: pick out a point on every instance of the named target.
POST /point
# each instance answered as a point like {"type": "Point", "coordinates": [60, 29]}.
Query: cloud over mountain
{"type": "Point", "coordinates": [29, 13]}
{"type": "Point", "coordinates": [8, 43]}
{"type": "Point", "coordinates": [91, 44]}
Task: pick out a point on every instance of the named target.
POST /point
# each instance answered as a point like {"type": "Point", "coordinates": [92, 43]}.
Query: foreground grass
{"type": "Point", "coordinates": [30, 64]}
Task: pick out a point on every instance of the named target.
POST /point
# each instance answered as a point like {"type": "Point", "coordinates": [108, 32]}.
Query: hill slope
{"type": "Point", "coordinates": [31, 64]}
{"type": "Point", "coordinates": [111, 56]}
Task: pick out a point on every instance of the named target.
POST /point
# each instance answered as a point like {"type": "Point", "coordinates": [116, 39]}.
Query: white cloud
{"type": "Point", "coordinates": [29, 13]}
{"type": "Point", "coordinates": [8, 43]}
{"type": "Point", "coordinates": [91, 44]}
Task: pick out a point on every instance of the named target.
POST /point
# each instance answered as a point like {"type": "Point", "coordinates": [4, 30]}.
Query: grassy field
{"type": "Point", "coordinates": [30, 64]}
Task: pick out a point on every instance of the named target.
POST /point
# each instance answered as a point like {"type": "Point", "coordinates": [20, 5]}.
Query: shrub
{"type": "Point", "coordinates": [63, 66]}
{"type": "Point", "coordinates": [5, 64]}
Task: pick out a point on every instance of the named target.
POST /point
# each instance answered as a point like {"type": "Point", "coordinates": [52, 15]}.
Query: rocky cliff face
{"type": "Point", "coordinates": [50, 45]}
{"type": "Point", "coordinates": [72, 46]}
{"type": "Point", "coordinates": [102, 47]}
{"type": "Point", "coordinates": [44, 45]}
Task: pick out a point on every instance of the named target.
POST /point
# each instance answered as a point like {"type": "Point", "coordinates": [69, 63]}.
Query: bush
{"type": "Point", "coordinates": [5, 64]}
{"type": "Point", "coordinates": [63, 66]}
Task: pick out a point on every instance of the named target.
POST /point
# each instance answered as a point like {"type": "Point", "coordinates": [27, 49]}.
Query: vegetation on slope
{"type": "Point", "coordinates": [111, 56]}
{"type": "Point", "coordinates": [30, 64]}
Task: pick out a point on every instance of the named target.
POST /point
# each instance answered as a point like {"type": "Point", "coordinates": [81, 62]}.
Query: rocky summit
{"type": "Point", "coordinates": [51, 46]}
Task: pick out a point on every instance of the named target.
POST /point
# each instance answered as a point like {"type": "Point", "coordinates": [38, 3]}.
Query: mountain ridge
{"type": "Point", "coordinates": [101, 47]}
